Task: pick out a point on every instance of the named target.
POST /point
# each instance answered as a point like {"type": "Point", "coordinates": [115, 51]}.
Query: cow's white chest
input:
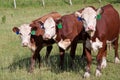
{"type": "Point", "coordinates": [96, 45]}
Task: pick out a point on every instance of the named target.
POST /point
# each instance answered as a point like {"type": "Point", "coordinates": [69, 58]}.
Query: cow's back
{"type": "Point", "coordinates": [54, 15]}
{"type": "Point", "coordinates": [108, 25]}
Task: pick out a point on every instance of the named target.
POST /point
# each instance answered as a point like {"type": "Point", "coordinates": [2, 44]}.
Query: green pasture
{"type": "Point", "coordinates": [15, 59]}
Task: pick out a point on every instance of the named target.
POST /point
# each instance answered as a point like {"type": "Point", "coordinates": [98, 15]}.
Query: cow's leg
{"type": "Point", "coordinates": [115, 46]}
{"type": "Point", "coordinates": [49, 48]}
{"type": "Point", "coordinates": [72, 52]}
{"type": "Point", "coordinates": [62, 53]}
{"type": "Point", "coordinates": [39, 58]}
{"type": "Point", "coordinates": [83, 54]}
{"type": "Point", "coordinates": [99, 57]}
{"type": "Point", "coordinates": [104, 61]}
{"type": "Point", "coordinates": [35, 56]}
{"type": "Point", "coordinates": [89, 61]}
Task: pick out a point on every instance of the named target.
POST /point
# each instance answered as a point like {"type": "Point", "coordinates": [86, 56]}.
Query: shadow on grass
{"type": "Point", "coordinates": [79, 63]}
{"type": "Point", "coordinates": [19, 64]}
{"type": "Point", "coordinates": [52, 64]}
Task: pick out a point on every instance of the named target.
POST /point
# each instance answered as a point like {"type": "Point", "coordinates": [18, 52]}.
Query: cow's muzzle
{"type": "Point", "coordinates": [24, 44]}
{"type": "Point", "coordinates": [90, 28]}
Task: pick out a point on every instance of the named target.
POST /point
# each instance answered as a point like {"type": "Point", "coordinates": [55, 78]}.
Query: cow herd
{"type": "Point", "coordinates": [94, 28]}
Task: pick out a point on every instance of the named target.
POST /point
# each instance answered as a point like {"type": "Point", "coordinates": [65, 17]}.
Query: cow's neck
{"type": "Point", "coordinates": [92, 33]}
{"type": "Point", "coordinates": [31, 46]}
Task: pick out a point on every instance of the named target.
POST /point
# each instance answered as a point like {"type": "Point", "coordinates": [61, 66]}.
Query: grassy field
{"type": "Point", "coordinates": [15, 60]}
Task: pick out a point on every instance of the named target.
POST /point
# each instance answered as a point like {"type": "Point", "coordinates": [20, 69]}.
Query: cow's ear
{"type": "Point", "coordinates": [16, 30]}
{"type": "Point", "coordinates": [99, 11]}
{"type": "Point", "coordinates": [78, 14]}
{"type": "Point", "coordinates": [32, 24]}
{"type": "Point", "coordinates": [58, 21]}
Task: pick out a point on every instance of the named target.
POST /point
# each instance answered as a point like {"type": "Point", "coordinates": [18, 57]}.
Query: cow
{"type": "Point", "coordinates": [35, 42]}
{"type": "Point", "coordinates": [103, 26]}
{"type": "Point", "coordinates": [32, 42]}
{"type": "Point", "coordinates": [69, 34]}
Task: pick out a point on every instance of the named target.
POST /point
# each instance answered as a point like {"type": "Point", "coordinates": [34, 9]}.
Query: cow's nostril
{"type": "Point", "coordinates": [46, 36]}
{"type": "Point", "coordinates": [24, 44]}
{"type": "Point", "coordinates": [91, 28]}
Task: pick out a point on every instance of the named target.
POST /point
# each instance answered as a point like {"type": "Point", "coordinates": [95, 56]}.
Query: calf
{"type": "Point", "coordinates": [69, 31]}
{"type": "Point", "coordinates": [37, 32]}
{"type": "Point", "coordinates": [33, 42]}
{"type": "Point", "coordinates": [103, 26]}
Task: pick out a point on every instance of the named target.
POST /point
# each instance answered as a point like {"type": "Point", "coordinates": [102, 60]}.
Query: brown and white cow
{"type": "Point", "coordinates": [103, 26]}
{"type": "Point", "coordinates": [69, 34]}
{"type": "Point", "coordinates": [33, 42]}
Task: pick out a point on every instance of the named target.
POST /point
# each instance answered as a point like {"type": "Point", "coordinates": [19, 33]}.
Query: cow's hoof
{"type": "Point", "coordinates": [86, 75]}
{"type": "Point", "coordinates": [98, 73]}
{"type": "Point", "coordinates": [117, 60]}
{"type": "Point", "coordinates": [104, 63]}
{"type": "Point", "coordinates": [30, 71]}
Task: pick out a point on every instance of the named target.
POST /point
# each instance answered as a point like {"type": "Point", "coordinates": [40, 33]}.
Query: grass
{"type": "Point", "coordinates": [15, 60]}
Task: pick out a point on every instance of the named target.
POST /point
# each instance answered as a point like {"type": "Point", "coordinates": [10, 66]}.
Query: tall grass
{"type": "Point", "coordinates": [15, 60]}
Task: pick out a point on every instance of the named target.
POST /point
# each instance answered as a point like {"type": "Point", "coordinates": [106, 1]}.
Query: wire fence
{"type": "Point", "coordinates": [42, 3]}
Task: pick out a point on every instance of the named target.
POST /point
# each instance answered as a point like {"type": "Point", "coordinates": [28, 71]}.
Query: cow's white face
{"type": "Point", "coordinates": [50, 29]}
{"type": "Point", "coordinates": [88, 16]}
{"type": "Point", "coordinates": [25, 33]}
{"type": "Point", "coordinates": [89, 19]}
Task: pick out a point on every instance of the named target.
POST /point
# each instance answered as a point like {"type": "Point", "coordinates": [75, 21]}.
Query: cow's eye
{"type": "Point", "coordinates": [83, 19]}
{"type": "Point", "coordinates": [95, 17]}
{"type": "Point", "coordinates": [20, 33]}
{"type": "Point", "coordinates": [29, 34]}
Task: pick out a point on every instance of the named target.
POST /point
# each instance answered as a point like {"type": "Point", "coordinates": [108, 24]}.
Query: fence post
{"type": "Point", "coordinates": [43, 2]}
{"type": "Point", "coordinates": [70, 2]}
{"type": "Point", "coordinates": [15, 4]}
{"type": "Point", "coordinates": [99, 1]}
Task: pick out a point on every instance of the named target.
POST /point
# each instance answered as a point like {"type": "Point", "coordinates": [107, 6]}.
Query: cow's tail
{"type": "Point", "coordinates": [109, 46]}
{"type": "Point", "coordinates": [119, 24]}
